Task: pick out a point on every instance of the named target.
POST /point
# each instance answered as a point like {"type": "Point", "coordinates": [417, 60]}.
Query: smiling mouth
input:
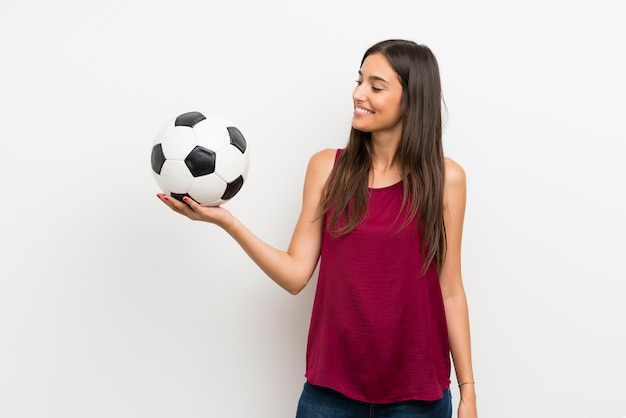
{"type": "Point", "coordinates": [362, 111]}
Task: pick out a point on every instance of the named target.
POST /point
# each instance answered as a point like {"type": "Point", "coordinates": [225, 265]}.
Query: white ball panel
{"type": "Point", "coordinates": [218, 202]}
{"type": "Point", "coordinates": [211, 133]}
{"type": "Point", "coordinates": [229, 163]}
{"type": "Point", "coordinates": [178, 142]}
{"type": "Point", "coordinates": [176, 176]}
{"type": "Point", "coordinates": [207, 189]}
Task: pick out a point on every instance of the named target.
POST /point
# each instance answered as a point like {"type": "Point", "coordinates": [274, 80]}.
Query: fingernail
{"type": "Point", "coordinates": [167, 199]}
{"type": "Point", "coordinates": [186, 199]}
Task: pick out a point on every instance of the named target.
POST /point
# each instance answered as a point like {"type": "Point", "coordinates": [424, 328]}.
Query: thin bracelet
{"type": "Point", "coordinates": [465, 383]}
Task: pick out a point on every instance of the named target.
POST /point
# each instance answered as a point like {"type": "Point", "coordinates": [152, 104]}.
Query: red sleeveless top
{"type": "Point", "coordinates": [378, 329]}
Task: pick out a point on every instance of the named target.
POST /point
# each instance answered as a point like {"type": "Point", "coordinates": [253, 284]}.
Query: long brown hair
{"type": "Point", "coordinates": [419, 155]}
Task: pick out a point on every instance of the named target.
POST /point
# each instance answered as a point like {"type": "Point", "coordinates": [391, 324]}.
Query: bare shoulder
{"type": "Point", "coordinates": [455, 175]}
{"type": "Point", "coordinates": [454, 193]}
{"type": "Point", "coordinates": [321, 164]}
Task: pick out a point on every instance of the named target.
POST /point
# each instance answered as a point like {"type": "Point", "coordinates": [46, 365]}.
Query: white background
{"type": "Point", "coordinates": [113, 306]}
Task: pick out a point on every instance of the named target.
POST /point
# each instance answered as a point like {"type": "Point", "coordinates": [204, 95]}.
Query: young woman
{"type": "Point", "coordinates": [384, 216]}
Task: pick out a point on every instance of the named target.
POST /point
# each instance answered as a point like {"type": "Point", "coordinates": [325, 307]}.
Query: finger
{"type": "Point", "coordinates": [174, 204]}
{"type": "Point", "coordinates": [195, 206]}
{"type": "Point", "coordinates": [163, 198]}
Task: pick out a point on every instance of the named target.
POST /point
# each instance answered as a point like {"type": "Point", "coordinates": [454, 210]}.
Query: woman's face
{"type": "Point", "coordinates": [377, 98]}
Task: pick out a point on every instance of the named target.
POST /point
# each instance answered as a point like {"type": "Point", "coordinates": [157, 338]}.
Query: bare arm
{"type": "Point", "coordinates": [452, 289]}
{"type": "Point", "coordinates": [290, 269]}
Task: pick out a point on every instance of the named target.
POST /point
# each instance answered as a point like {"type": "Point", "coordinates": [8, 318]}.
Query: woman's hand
{"type": "Point", "coordinates": [467, 404]}
{"type": "Point", "coordinates": [467, 409]}
{"type": "Point", "coordinates": [196, 212]}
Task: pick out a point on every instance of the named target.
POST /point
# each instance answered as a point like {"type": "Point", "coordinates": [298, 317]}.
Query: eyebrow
{"type": "Point", "coordinates": [375, 78]}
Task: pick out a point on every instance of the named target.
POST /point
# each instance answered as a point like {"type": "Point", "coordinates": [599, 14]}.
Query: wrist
{"type": "Point", "coordinates": [227, 222]}
{"type": "Point", "coordinates": [467, 391]}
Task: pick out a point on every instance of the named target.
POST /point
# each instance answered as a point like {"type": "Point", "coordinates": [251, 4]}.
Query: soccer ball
{"type": "Point", "coordinates": [202, 156]}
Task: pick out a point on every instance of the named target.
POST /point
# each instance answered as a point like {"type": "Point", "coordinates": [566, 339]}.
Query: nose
{"type": "Point", "coordinates": [358, 94]}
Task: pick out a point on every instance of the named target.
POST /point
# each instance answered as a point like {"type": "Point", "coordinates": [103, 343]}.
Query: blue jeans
{"type": "Point", "coordinates": [321, 402]}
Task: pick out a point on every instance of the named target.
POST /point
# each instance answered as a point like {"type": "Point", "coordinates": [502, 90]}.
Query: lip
{"type": "Point", "coordinates": [362, 111]}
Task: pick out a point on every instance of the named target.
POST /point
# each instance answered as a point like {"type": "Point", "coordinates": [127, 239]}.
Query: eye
{"type": "Point", "coordinates": [358, 82]}
{"type": "Point", "coordinates": [376, 89]}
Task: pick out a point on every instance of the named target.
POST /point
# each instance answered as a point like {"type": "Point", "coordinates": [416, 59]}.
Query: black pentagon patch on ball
{"type": "Point", "coordinates": [233, 188]}
{"type": "Point", "coordinates": [200, 161]}
{"type": "Point", "coordinates": [157, 158]}
{"type": "Point", "coordinates": [237, 139]}
{"type": "Point", "coordinates": [189, 119]}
